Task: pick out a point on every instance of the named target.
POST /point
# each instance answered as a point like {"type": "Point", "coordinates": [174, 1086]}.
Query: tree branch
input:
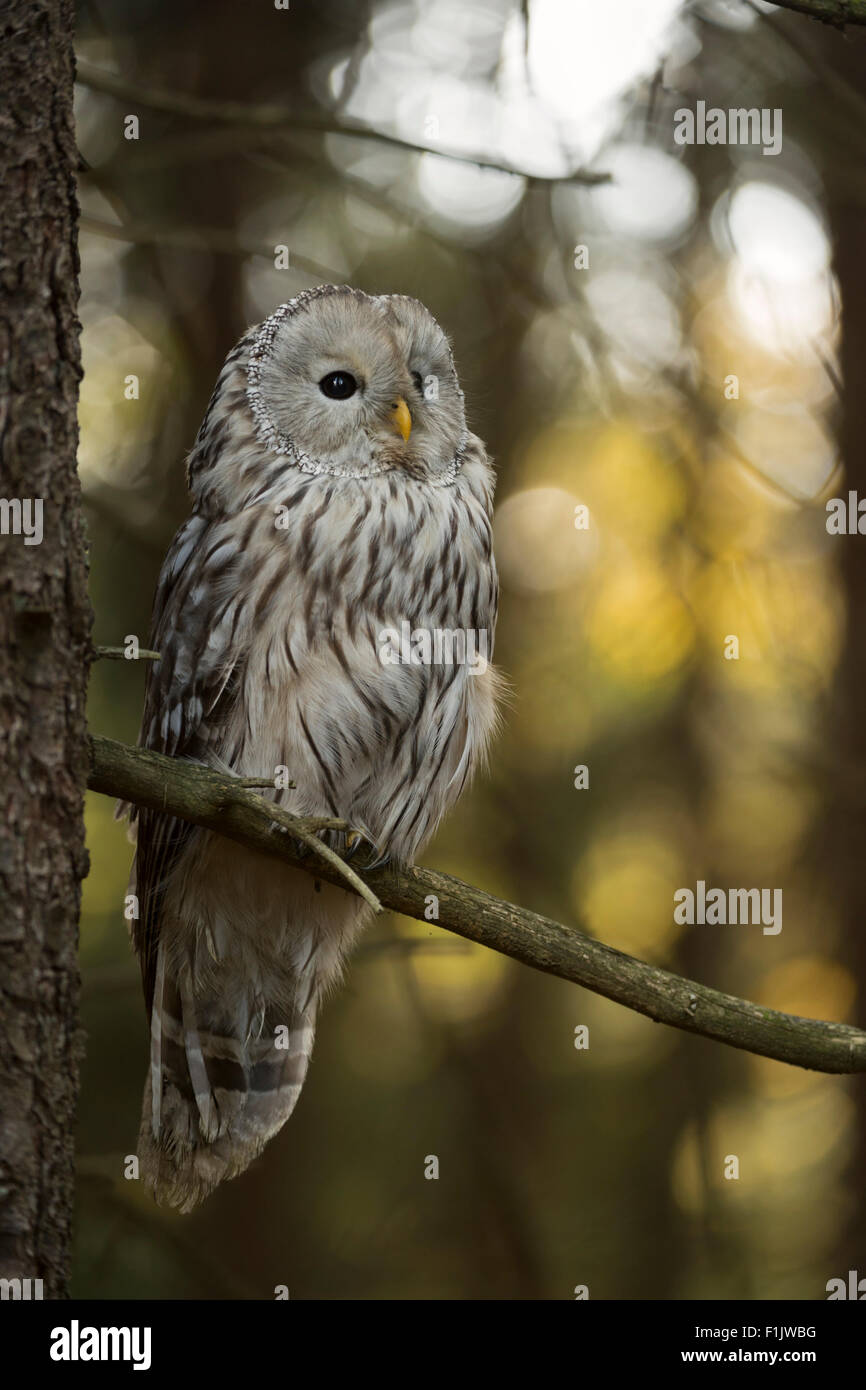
{"type": "Point", "coordinates": [835, 12]}
{"type": "Point", "coordinates": [197, 794]}
{"type": "Point", "coordinates": [276, 117]}
{"type": "Point", "coordinates": [226, 804]}
{"type": "Point", "coordinates": [209, 238]}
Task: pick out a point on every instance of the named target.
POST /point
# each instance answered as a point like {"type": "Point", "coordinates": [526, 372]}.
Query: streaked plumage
{"type": "Point", "coordinates": [314, 527]}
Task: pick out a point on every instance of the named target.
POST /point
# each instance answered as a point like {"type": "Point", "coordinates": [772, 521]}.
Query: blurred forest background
{"type": "Point", "coordinates": [603, 386]}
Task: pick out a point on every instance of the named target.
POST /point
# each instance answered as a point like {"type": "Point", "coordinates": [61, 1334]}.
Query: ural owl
{"type": "Point", "coordinates": [337, 496]}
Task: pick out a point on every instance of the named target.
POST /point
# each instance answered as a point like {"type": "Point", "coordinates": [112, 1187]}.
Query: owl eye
{"type": "Point", "coordinates": [338, 385]}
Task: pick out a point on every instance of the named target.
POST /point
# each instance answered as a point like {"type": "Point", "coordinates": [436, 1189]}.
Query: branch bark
{"type": "Point", "coordinates": [835, 12]}
{"type": "Point", "coordinates": [219, 803]}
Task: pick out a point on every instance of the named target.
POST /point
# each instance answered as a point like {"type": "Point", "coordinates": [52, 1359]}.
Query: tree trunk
{"type": "Point", "coordinates": [45, 639]}
{"type": "Point", "coordinates": [848, 825]}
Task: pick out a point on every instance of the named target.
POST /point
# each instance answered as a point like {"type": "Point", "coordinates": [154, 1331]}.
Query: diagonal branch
{"type": "Point", "coordinates": [227, 804]}
{"type": "Point", "coordinates": [276, 117]}
{"type": "Point", "coordinates": [836, 12]}
{"type": "Point", "coordinates": [197, 794]}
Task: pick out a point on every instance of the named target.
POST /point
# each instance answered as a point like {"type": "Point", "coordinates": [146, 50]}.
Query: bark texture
{"type": "Point", "coordinates": [44, 641]}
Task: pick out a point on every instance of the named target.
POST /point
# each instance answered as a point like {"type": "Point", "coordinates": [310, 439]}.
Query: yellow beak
{"type": "Point", "coordinates": [402, 418]}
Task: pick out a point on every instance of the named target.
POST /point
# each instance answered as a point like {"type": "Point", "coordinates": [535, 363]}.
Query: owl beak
{"type": "Point", "coordinates": [402, 418]}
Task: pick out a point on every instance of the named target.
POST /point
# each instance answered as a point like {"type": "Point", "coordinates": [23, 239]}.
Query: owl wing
{"type": "Point", "coordinates": [189, 693]}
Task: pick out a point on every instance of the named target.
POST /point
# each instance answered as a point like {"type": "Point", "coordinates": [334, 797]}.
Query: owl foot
{"type": "Point", "coordinates": [345, 843]}
{"type": "Point", "coordinates": [354, 841]}
{"type": "Point", "coordinates": [383, 859]}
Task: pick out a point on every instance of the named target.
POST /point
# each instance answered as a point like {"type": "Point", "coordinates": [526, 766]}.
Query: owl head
{"type": "Point", "coordinates": [355, 385]}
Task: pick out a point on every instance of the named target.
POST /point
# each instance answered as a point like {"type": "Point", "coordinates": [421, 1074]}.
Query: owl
{"type": "Point", "coordinates": [341, 524]}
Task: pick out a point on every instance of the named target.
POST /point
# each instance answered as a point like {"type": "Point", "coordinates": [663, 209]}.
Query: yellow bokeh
{"type": "Point", "coordinates": [639, 630]}
{"type": "Point", "coordinates": [623, 890]}
{"type": "Point", "coordinates": [457, 981]}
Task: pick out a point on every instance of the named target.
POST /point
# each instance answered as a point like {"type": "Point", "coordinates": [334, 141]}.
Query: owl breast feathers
{"type": "Point", "coordinates": [327, 609]}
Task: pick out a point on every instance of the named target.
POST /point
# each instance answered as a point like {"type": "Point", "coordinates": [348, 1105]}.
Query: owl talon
{"type": "Point", "coordinates": [334, 839]}
{"type": "Point", "coordinates": [354, 840]}
{"type": "Point", "coordinates": [383, 859]}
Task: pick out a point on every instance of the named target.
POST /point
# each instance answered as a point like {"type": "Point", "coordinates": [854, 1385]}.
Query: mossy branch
{"type": "Point", "coordinates": [229, 807]}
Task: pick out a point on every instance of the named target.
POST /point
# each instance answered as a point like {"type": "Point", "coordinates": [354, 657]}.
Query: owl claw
{"type": "Point", "coordinates": [384, 858]}
{"type": "Point", "coordinates": [342, 842]}
{"type": "Point", "coordinates": [354, 840]}
{"type": "Point", "coordinates": [334, 839]}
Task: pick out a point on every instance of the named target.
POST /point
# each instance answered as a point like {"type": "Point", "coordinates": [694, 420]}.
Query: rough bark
{"type": "Point", "coordinates": [44, 638]}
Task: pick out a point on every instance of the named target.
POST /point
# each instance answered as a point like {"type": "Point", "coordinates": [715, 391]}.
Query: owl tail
{"type": "Point", "coordinates": [220, 1085]}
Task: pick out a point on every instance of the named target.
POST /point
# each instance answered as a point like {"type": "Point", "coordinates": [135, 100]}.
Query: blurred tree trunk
{"type": "Point", "coordinates": [848, 821]}
{"type": "Point", "coordinates": [849, 226]}
{"type": "Point", "coordinates": [44, 637]}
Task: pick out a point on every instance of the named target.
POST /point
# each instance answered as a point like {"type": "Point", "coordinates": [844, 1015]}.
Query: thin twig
{"type": "Point", "coordinates": [797, 38]}
{"type": "Point", "coordinates": [207, 238]}
{"type": "Point", "coordinates": [835, 12]}
{"type": "Point", "coordinates": [276, 117]}
{"type": "Point", "coordinates": [120, 654]}
{"type": "Point", "coordinates": [259, 782]}
{"type": "Point", "coordinates": [305, 831]}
